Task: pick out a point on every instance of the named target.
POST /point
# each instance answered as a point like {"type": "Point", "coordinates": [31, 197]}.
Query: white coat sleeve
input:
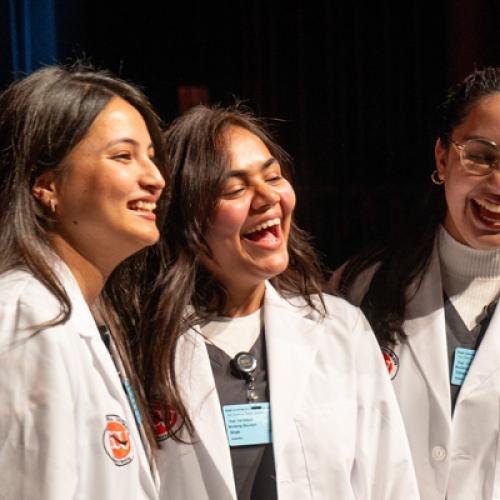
{"type": "Point", "coordinates": [383, 469]}
{"type": "Point", "coordinates": [39, 441]}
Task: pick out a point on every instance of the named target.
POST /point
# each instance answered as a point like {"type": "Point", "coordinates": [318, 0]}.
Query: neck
{"type": "Point", "coordinates": [89, 276]}
{"type": "Point", "coordinates": [244, 301]}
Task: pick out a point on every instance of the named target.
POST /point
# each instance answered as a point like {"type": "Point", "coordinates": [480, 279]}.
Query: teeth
{"type": "Point", "coordinates": [146, 206]}
{"type": "Point", "coordinates": [492, 207]}
{"type": "Point", "coordinates": [264, 225]}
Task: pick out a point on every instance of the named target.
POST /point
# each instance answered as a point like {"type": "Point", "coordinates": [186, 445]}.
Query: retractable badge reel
{"type": "Point", "coordinates": [243, 366]}
{"type": "Point", "coordinates": [249, 423]}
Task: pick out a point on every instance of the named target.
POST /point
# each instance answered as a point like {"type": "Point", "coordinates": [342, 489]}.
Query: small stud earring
{"type": "Point", "coordinates": [436, 179]}
{"type": "Point", "coordinates": [52, 205]}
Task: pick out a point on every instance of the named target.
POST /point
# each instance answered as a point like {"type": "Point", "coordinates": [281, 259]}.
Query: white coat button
{"type": "Point", "coordinates": [438, 453]}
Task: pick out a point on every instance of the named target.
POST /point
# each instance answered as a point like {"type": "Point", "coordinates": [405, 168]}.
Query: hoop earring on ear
{"type": "Point", "coordinates": [436, 179]}
{"type": "Point", "coordinates": [52, 205]}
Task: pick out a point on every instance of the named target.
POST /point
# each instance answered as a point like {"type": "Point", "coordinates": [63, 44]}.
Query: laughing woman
{"type": "Point", "coordinates": [272, 390]}
{"type": "Point", "coordinates": [432, 300]}
{"type": "Point", "coordinates": [78, 183]}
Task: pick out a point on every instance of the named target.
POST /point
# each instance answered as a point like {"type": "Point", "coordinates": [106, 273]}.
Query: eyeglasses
{"type": "Point", "coordinates": [478, 156]}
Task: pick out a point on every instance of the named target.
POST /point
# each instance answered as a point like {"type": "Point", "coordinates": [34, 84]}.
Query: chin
{"type": "Point", "coordinates": [275, 268]}
{"type": "Point", "coordinates": [138, 242]}
{"type": "Point", "coordinates": [490, 242]}
{"type": "Point", "coordinates": [149, 237]}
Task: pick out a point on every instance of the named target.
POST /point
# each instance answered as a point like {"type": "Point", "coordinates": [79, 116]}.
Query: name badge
{"type": "Point", "coordinates": [248, 424]}
{"type": "Point", "coordinates": [461, 363]}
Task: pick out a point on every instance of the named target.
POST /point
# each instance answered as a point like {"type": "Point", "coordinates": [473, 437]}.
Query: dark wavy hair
{"type": "Point", "coordinates": [406, 258]}
{"type": "Point", "coordinates": [42, 118]}
{"type": "Point", "coordinates": [196, 149]}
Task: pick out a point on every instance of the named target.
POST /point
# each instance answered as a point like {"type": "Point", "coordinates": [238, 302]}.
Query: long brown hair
{"type": "Point", "coordinates": [42, 118]}
{"type": "Point", "coordinates": [196, 150]}
{"type": "Point", "coordinates": [406, 258]}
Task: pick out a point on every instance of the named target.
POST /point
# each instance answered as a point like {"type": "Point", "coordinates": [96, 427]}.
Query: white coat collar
{"type": "Point", "coordinates": [197, 386]}
{"type": "Point", "coordinates": [291, 342]}
{"type": "Point", "coordinates": [425, 314]}
{"type": "Point", "coordinates": [82, 321]}
{"type": "Point", "coordinates": [426, 330]}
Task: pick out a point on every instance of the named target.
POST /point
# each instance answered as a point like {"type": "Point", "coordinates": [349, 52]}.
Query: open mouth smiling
{"type": "Point", "coordinates": [487, 212]}
{"type": "Point", "coordinates": [142, 206]}
{"type": "Point", "coordinates": [268, 231]}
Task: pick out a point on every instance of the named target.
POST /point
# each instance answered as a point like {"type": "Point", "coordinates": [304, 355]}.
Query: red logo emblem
{"type": "Point", "coordinates": [391, 362]}
{"type": "Point", "coordinates": [116, 440]}
{"type": "Point", "coordinates": [164, 421]}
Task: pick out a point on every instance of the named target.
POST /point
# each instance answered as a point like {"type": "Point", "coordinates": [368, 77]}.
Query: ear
{"type": "Point", "coordinates": [44, 189]}
{"type": "Point", "coordinates": [441, 158]}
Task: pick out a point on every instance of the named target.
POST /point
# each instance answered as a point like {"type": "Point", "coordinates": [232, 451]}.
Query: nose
{"type": "Point", "coordinates": [151, 178]}
{"type": "Point", "coordinates": [265, 197]}
{"type": "Point", "coordinates": [494, 177]}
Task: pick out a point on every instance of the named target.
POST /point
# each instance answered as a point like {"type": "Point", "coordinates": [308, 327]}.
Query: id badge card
{"type": "Point", "coordinates": [248, 424]}
{"type": "Point", "coordinates": [461, 363]}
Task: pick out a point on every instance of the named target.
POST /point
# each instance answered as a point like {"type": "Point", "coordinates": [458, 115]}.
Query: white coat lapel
{"type": "Point", "coordinates": [84, 323]}
{"type": "Point", "coordinates": [86, 327]}
{"type": "Point", "coordinates": [291, 342]}
{"type": "Point", "coordinates": [487, 359]}
{"type": "Point", "coordinates": [197, 385]}
{"type": "Point", "coordinates": [426, 330]}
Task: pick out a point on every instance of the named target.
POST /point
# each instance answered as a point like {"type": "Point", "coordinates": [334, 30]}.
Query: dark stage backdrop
{"type": "Point", "coordinates": [353, 85]}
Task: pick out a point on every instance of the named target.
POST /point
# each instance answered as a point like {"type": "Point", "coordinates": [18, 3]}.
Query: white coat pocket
{"type": "Point", "coordinates": [328, 439]}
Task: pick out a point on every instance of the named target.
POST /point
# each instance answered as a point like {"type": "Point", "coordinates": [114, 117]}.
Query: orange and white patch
{"type": "Point", "coordinates": [117, 441]}
{"type": "Point", "coordinates": [391, 362]}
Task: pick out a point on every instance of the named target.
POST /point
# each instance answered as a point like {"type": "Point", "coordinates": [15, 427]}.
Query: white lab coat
{"type": "Point", "coordinates": [56, 388]}
{"type": "Point", "coordinates": [458, 459]}
{"type": "Point", "coordinates": [337, 431]}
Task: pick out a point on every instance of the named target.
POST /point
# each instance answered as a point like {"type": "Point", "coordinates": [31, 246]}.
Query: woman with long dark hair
{"type": "Point", "coordinates": [431, 295]}
{"type": "Point", "coordinates": [267, 388]}
{"type": "Point", "coordinates": [78, 190]}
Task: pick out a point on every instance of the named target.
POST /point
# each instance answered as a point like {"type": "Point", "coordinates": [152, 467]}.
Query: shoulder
{"type": "Point", "coordinates": [360, 285]}
{"type": "Point", "coordinates": [29, 342]}
{"type": "Point", "coordinates": [347, 321]}
{"type": "Point", "coordinates": [24, 297]}
{"type": "Point", "coordinates": [339, 317]}
{"type": "Point", "coordinates": [29, 310]}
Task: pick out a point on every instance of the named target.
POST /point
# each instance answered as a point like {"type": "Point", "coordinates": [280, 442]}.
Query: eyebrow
{"type": "Point", "coordinates": [127, 140]}
{"type": "Point", "coordinates": [243, 173]}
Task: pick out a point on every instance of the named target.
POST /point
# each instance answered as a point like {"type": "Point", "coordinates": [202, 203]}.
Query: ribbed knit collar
{"type": "Point", "coordinates": [465, 262]}
{"type": "Point", "coordinates": [470, 277]}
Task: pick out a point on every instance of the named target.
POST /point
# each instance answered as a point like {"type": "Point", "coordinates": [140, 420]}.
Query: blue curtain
{"type": "Point", "coordinates": [33, 40]}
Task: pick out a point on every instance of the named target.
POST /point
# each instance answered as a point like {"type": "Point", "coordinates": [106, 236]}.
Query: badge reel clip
{"type": "Point", "coordinates": [243, 366]}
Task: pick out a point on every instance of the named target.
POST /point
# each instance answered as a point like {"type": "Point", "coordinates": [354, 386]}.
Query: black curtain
{"type": "Point", "coordinates": [354, 86]}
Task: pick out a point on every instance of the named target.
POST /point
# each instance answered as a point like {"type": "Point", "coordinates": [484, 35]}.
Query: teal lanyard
{"type": "Point", "coordinates": [127, 386]}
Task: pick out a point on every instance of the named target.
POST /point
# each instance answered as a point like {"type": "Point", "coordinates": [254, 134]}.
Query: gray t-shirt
{"type": "Point", "coordinates": [253, 466]}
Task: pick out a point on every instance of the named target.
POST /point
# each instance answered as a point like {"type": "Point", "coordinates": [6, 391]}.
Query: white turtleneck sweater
{"type": "Point", "coordinates": [471, 277]}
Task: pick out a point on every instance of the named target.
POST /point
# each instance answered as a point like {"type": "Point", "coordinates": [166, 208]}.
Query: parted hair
{"type": "Point", "coordinates": [42, 118]}
{"type": "Point", "coordinates": [184, 291]}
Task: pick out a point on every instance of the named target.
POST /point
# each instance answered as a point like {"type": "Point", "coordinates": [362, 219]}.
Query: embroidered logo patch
{"type": "Point", "coordinates": [391, 362]}
{"type": "Point", "coordinates": [164, 421]}
{"type": "Point", "coordinates": [116, 440]}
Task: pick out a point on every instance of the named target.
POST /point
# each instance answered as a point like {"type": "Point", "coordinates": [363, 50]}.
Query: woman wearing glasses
{"type": "Point", "coordinates": [284, 391]}
{"type": "Point", "coordinates": [431, 299]}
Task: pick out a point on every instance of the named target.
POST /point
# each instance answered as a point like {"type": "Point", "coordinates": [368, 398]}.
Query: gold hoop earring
{"type": "Point", "coordinates": [52, 205]}
{"type": "Point", "coordinates": [436, 179]}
